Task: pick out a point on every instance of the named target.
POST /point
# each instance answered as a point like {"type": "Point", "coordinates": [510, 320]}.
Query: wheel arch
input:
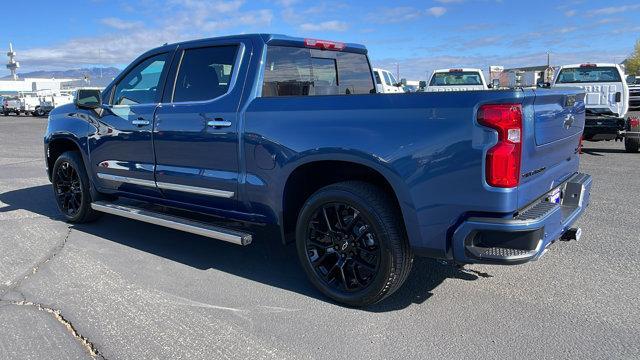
{"type": "Point", "coordinates": [57, 144]}
{"type": "Point", "coordinates": [332, 168]}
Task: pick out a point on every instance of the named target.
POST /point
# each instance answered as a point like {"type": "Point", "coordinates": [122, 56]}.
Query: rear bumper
{"type": "Point", "coordinates": [602, 128]}
{"type": "Point", "coordinates": [526, 236]}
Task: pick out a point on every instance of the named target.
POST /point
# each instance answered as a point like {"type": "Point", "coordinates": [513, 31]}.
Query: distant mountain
{"type": "Point", "coordinates": [96, 76]}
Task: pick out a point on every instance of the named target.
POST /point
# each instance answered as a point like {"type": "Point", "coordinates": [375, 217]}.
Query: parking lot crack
{"type": "Point", "coordinates": [57, 315]}
{"type": "Point", "coordinates": [15, 284]}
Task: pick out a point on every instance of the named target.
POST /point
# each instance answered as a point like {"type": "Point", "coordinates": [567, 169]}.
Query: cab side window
{"type": "Point", "coordinates": [140, 85]}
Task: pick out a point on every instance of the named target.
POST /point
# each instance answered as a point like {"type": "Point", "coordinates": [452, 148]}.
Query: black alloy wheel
{"type": "Point", "coordinates": [71, 188]}
{"type": "Point", "coordinates": [68, 189]}
{"type": "Point", "coordinates": [342, 247]}
{"type": "Point", "coordinates": [352, 244]}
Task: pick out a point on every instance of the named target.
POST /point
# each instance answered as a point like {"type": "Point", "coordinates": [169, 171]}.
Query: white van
{"type": "Point", "coordinates": [465, 79]}
{"type": "Point", "coordinates": [386, 83]}
{"type": "Point", "coordinates": [607, 92]}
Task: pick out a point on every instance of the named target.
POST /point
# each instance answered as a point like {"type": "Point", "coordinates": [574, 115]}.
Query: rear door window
{"type": "Point", "coordinates": [291, 71]}
{"type": "Point", "coordinates": [377, 75]}
{"type": "Point", "coordinates": [204, 73]}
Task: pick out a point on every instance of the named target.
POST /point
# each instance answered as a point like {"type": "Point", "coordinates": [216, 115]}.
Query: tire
{"type": "Point", "coordinates": [70, 182]}
{"type": "Point", "coordinates": [631, 145]}
{"type": "Point", "coordinates": [365, 223]}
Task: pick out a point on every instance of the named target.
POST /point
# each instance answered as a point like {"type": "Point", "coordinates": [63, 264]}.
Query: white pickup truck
{"type": "Point", "coordinates": [386, 83]}
{"type": "Point", "coordinates": [10, 104]}
{"type": "Point", "coordinates": [606, 100]}
{"type": "Point", "coordinates": [465, 79]}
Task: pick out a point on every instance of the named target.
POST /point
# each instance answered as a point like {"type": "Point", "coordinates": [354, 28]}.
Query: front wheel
{"type": "Point", "coordinates": [71, 188]}
{"type": "Point", "coordinates": [631, 145]}
{"type": "Point", "coordinates": [352, 244]}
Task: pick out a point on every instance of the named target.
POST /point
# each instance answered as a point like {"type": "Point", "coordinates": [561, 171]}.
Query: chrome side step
{"type": "Point", "coordinates": [173, 222]}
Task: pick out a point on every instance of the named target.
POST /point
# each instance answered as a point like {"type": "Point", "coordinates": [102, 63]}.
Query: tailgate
{"type": "Point", "coordinates": [553, 124]}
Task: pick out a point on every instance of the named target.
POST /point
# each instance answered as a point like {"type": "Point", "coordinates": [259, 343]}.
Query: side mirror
{"type": "Point", "coordinates": [88, 99]}
{"type": "Point", "coordinates": [495, 83]}
{"type": "Point", "coordinates": [403, 81]}
{"type": "Point", "coordinates": [422, 84]}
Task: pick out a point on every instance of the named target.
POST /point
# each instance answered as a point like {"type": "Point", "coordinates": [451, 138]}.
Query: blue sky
{"type": "Point", "coordinates": [418, 35]}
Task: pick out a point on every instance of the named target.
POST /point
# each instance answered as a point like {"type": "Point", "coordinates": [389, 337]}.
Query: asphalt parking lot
{"type": "Point", "coordinates": [118, 289]}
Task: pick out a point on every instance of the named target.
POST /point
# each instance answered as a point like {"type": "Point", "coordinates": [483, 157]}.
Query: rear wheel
{"type": "Point", "coordinates": [631, 145]}
{"type": "Point", "coordinates": [351, 243]}
{"type": "Point", "coordinates": [71, 188]}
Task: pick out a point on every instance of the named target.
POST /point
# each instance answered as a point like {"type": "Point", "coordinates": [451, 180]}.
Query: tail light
{"type": "Point", "coordinates": [324, 44]}
{"type": "Point", "coordinates": [503, 159]}
{"type": "Point", "coordinates": [634, 122]}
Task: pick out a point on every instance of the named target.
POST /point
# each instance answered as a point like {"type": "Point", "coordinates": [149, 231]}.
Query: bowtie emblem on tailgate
{"type": "Point", "coordinates": [568, 121]}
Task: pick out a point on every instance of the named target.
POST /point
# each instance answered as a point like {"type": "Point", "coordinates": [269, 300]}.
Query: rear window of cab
{"type": "Point", "coordinates": [456, 78]}
{"type": "Point", "coordinates": [293, 71]}
{"type": "Point", "coordinates": [588, 75]}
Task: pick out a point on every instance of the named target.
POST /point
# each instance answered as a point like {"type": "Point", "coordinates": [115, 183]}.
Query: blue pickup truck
{"type": "Point", "coordinates": [272, 130]}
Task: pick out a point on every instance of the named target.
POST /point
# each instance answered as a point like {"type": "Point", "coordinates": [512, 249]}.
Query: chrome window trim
{"type": "Point", "coordinates": [168, 186]}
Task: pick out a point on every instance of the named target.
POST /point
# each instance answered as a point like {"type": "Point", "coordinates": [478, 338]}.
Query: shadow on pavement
{"type": "Point", "coordinates": [266, 260]}
{"type": "Point", "coordinates": [598, 151]}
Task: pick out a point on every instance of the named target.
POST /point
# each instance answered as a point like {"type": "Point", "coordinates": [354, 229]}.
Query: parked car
{"type": "Point", "coordinates": [360, 181]}
{"type": "Point", "coordinates": [11, 104]}
{"type": "Point", "coordinates": [634, 92]}
{"type": "Point", "coordinates": [456, 80]}
{"type": "Point", "coordinates": [386, 83]}
{"type": "Point", "coordinates": [606, 99]}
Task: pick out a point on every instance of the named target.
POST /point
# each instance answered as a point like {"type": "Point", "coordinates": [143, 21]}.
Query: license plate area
{"type": "Point", "coordinates": [554, 196]}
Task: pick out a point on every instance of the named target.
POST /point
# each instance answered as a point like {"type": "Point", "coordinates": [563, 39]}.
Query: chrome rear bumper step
{"type": "Point", "coordinates": [173, 222]}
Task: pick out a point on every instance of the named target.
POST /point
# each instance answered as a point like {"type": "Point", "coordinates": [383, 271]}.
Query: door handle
{"type": "Point", "coordinates": [140, 122]}
{"type": "Point", "coordinates": [218, 123]}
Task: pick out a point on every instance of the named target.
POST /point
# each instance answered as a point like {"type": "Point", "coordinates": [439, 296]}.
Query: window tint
{"type": "Point", "coordinates": [140, 85]}
{"type": "Point", "coordinates": [453, 78]}
{"type": "Point", "coordinates": [377, 75]}
{"type": "Point", "coordinates": [204, 73]}
{"type": "Point", "coordinates": [588, 75]}
{"type": "Point", "coordinates": [291, 71]}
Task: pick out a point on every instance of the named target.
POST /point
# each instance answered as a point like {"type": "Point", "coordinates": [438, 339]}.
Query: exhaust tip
{"type": "Point", "coordinates": [572, 234]}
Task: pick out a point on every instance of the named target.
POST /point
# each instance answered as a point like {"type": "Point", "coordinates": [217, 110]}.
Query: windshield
{"type": "Point", "coordinates": [588, 75]}
{"type": "Point", "coordinates": [452, 78]}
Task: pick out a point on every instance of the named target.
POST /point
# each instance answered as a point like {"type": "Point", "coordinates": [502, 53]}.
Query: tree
{"type": "Point", "coordinates": [633, 62]}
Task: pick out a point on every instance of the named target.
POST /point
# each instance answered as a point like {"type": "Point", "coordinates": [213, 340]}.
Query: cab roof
{"type": "Point", "coordinates": [269, 39]}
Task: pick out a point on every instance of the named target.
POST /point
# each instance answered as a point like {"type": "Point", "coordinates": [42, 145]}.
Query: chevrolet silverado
{"type": "Point", "coordinates": [290, 132]}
